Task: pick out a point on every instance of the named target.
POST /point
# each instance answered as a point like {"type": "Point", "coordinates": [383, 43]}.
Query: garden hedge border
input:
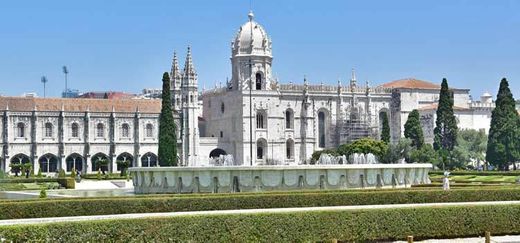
{"type": "Point", "coordinates": [479, 173]}
{"type": "Point", "coordinates": [114, 205]}
{"type": "Point", "coordinates": [343, 225]}
{"type": "Point", "coordinates": [66, 182]}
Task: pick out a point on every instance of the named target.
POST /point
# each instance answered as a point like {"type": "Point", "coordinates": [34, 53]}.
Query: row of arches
{"type": "Point", "coordinates": [48, 163]}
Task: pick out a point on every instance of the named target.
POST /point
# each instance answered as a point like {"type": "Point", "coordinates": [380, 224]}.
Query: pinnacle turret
{"type": "Point", "coordinates": [189, 69]}
{"type": "Point", "coordinates": [175, 67]}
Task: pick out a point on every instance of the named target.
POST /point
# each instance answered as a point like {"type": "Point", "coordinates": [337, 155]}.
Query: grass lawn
{"type": "Point", "coordinates": [27, 186]}
{"type": "Point", "coordinates": [478, 178]}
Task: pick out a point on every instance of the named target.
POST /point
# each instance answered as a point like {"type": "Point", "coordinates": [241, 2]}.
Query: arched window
{"type": "Point", "coordinates": [74, 130]}
{"type": "Point", "coordinates": [149, 160]}
{"type": "Point", "coordinates": [289, 146]}
{"type": "Point", "coordinates": [191, 98]}
{"type": "Point", "coordinates": [48, 129]}
{"type": "Point", "coordinates": [289, 117]}
{"type": "Point", "coordinates": [261, 146]}
{"type": "Point", "coordinates": [258, 81]}
{"type": "Point", "coordinates": [125, 130]}
{"type": "Point", "coordinates": [321, 129]}
{"type": "Point", "coordinates": [149, 130]}
{"type": "Point", "coordinates": [261, 120]}
{"type": "Point", "coordinates": [100, 130]}
{"type": "Point", "coordinates": [222, 107]}
{"type": "Point", "coordinates": [20, 130]}
{"type": "Point", "coordinates": [48, 163]}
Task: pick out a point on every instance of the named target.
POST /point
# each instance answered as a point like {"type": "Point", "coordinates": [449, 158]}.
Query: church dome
{"type": "Point", "coordinates": [251, 38]}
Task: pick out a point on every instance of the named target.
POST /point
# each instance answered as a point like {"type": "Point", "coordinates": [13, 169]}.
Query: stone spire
{"type": "Point", "coordinates": [353, 80]}
{"type": "Point", "coordinates": [175, 67]}
{"type": "Point", "coordinates": [189, 69]}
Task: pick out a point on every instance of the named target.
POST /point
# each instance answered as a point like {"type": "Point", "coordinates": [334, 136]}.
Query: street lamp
{"type": "Point", "coordinates": [44, 81]}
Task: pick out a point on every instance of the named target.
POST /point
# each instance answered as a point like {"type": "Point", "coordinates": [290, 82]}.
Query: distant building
{"type": "Point", "coordinates": [111, 95]}
{"type": "Point", "coordinates": [70, 93]}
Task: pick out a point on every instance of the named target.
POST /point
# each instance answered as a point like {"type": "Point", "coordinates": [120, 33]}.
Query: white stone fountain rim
{"type": "Point", "coordinates": [284, 167]}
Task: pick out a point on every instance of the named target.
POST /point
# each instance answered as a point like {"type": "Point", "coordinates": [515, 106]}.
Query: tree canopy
{"type": "Point", "coordinates": [503, 145]}
{"type": "Point", "coordinates": [446, 124]}
{"type": "Point", "coordinates": [167, 129]}
{"type": "Point", "coordinates": [413, 129]}
{"type": "Point", "coordinates": [385, 131]}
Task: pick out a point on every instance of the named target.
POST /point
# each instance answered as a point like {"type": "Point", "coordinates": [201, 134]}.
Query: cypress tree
{"type": "Point", "coordinates": [504, 132]}
{"type": "Point", "coordinates": [446, 125]}
{"type": "Point", "coordinates": [385, 131]}
{"type": "Point", "coordinates": [167, 136]}
{"type": "Point", "coordinates": [413, 129]}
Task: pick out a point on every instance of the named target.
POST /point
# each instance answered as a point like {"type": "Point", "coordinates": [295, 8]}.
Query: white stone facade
{"type": "Point", "coordinates": [75, 133]}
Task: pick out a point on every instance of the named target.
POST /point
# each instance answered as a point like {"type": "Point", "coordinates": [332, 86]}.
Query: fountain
{"type": "Point", "coordinates": [224, 174]}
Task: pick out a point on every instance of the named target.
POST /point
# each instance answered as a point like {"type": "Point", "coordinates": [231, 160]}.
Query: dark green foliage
{"type": "Point", "coordinates": [314, 226]}
{"type": "Point", "coordinates": [446, 124]}
{"type": "Point", "coordinates": [471, 145]}
{"type": "Point", "coordinates": [124, 166]}
{"type": "Point", "coordinates": [503, 146]}
{"type": "Point", "coordinates": [398, 151]}
{"type": "Point", "coordinates": [66, 182]}
{"type": "Point", "coordinates": [385, 131]}
{"type": "Point", "coordinates": [43, 193]}
{"type": "Point", "coordinates": [413, 129]}
{"type": "Point", "coordinates": [167, 135]}
{"type": "Point", "coordinates": [364, 146]}
{"type": "Point", "coordinates": [200, 202]}
{"type": "Point", "coordinates": [316, 155]}
{"type": "Point", "coordinates": [426, 154]}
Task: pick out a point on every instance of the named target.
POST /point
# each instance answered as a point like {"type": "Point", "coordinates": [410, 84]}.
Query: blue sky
{"type": "Point", "coordinates": [127, 44]}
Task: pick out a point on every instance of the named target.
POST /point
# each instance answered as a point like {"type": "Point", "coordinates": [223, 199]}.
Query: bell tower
{"type": "Point", "coordinates": [251, 58]}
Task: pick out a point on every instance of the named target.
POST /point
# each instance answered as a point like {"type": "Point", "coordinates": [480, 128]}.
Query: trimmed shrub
{"type": "Point", "coordinates": [43, 193]}
{"type": "Point", "coordinates": [478, 173]}
{"type": "Point", "coordinates": [114, 205]}
{"type": "Point", "coordinates": [343, 225]}
{"type": "Point", "coordinates": [68, 183]}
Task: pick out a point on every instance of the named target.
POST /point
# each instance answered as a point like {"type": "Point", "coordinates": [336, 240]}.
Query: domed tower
{"type": "Point", "coordinates": [251, 57]}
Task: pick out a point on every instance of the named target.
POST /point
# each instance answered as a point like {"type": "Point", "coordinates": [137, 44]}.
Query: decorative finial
{"type": "Point", "coordinates": [353, 76]}
{"type": "Point", "coordinates": [251, 15]}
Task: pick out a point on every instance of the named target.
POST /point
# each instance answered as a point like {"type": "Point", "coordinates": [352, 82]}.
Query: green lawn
{"type": "Point", "coordinates": [478, 178]}
{"type": "Point", "coordinates": [28, 186]}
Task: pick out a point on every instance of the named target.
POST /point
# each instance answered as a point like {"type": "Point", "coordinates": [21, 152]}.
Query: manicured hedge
{"type": "Point", "coordinates": [66, 182]}
{"type": "Point", "coordinates": [479, 173]}
{"type": "Point", "coordinates": [115, 205]}
{"type": "Point", "coordinates": [343, 225]}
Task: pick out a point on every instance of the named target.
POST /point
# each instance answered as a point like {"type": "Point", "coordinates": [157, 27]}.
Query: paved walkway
{"type": "Point", "coordinates": [103, 184]}
{"type": "Point", "coordinates": [498, 239]}
{"type": "Point", "coordinates": [241, 211]}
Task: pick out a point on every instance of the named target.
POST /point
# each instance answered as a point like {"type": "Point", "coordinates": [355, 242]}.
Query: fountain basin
{"type": "Point", "coordinates": [224, 179]}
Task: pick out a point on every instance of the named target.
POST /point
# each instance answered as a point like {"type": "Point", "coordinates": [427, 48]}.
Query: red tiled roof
{"type": "Point", "coordinates": [79, 105]}
{"type": "Point", "coordinates": [411, 83]}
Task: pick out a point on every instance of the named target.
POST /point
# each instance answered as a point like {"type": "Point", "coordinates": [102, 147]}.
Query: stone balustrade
{"type": "Point", "coordinates": [148, 180]}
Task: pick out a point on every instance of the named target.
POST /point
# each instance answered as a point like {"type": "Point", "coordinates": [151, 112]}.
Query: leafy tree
{"type": "Point", "coordinates": [364, 146]}
{"type": "Point", "coordinates": [426, 154]}
{"type": "Point", "coordinates": [471, 146]}
{"type": "Point", "coordinates": [316, 155]}
{"type": "Point", "coordinates": [167, 136]}
{"type": "Point", "coordinates": [123, 164]}
{"type": "Point", "coordinates": [385, 131]}
{"type": "Point", "coordinates": [413, 129]}
{"type": "Point", "coordinates": [446, 124]}
{"type": "Point", "coordinates": [503, 145]}
{"type": "Point", "coordinates": [398, 151]}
